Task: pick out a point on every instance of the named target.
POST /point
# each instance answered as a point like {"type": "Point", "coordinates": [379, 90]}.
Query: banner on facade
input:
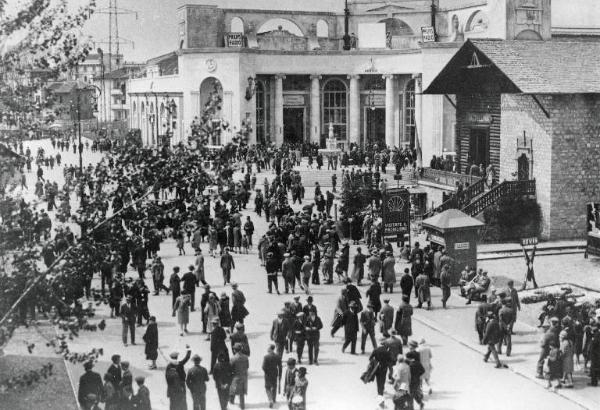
{"type": "Point", "coordinates": [428, 34]}
{"type": "Point", "coordinates": [396, 212]}
{"type": "Point", "coordinates": [235, 39]}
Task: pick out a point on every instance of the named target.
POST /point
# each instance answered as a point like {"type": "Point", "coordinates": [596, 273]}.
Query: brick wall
{"type": "Point", "coordinates": [520, 113]}
{"type": "Point", "coordinates": [576, 160]}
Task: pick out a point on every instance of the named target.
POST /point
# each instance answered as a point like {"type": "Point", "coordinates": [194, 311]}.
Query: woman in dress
{"type": "Point", "coordinates": [566, 350]}
{"type": "Point", "coordinates": [151, 340]}
{"type": "Point", "coordinates": [298, 399]}
{"type": "Point", "coordinates": [182, 307]}
{"type": "Point", "coordinates": [224, 311]}
{"type": "Point", "coordinates": [211, 311]}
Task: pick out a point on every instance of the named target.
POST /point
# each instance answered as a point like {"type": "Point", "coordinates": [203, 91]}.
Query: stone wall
{"type": "Point", "coordinates": [204, 26]}
{"type": "Point", "coordinates": [520, 113]}
{"type": "Point", "coordinates": [576, 160]}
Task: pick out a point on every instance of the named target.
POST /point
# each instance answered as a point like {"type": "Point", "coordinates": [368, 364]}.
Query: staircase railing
{"type": "Point", "coordinates": [503, 190]}
{"type": "Point", "coordinates": [447, 177]}
{"type": "Point", "coordinates": [457, 201]}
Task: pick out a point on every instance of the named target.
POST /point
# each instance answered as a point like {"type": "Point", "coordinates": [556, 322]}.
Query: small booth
{"type": "Point", "coordinates": [593, 230]}
{"type": "Point", "coordinates": [457, 232]}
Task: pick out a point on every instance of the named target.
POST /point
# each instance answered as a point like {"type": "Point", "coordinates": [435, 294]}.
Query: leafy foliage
{"type": "Point", "coordinates": [511, 219]}
{"type": "Point", "coordinates": [356, 197]}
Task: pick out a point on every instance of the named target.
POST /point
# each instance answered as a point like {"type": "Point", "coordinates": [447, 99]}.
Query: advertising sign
{"type": "Point", "coordinates": [235, 40]}
{"type": "Point", "coordinates": [428, 34]}
{"type": "Point", "coordinates": [529, 241]}
{"type": "Point", "coordinates": [396, 212]}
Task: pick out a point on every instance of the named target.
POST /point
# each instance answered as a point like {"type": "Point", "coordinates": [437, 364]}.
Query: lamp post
{"type": "Point", "coordinates": [346, 37]}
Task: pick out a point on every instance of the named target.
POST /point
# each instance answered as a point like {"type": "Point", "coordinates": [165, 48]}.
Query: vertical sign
{"type": "Point", "coordinates": [396, 212]}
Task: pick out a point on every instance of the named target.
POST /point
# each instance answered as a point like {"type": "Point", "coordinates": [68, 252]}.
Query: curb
{"type": "Point", "coordinates": [432, 326]}
{"type": "Point", "coordinates": [488, 256]}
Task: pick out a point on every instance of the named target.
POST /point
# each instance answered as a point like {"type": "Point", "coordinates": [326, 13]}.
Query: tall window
{"type": "Point", "coordinates": [410, 129]}
{"type": "Point", "coordinates": [263, 112]}
{"type": "Point", "coordinates": [335, 108]}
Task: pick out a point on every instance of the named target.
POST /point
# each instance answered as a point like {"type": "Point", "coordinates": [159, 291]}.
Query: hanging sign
{"type": "Point", "coordinates": [396, 211]}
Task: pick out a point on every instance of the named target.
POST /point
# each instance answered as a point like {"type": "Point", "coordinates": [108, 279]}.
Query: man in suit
{"type": "Point", "coordinates": [313, 326]}
{"type": "Point", "coordinates": [90, 383]}
{"type": "Point", "coordinates": [190, 280]}
{"type": "Point", "coordinates": [386, 317]}
{"type": "Point", "coordinates": [279, 331]}
{"type": "Point", "coordinates": [128, 315]}
{"type": "Point", "coordinates": [226, 265]}
{"type": "Point", "coordinates": [272, 368]}
{"type": "Point", "coordinates": [175, 376]}
{"type": "Point", "coordinates": [513, 294]}
{"type": "Point", "coordinates": [491, 337]}
{"type": "Point", "coordinates": [350, 321]}
{"type": "Point", "coordinates": [196, 382]}
{"type": "Point", "coordinates": [239, 383]}
{"type": "Point", "coordinates": [506, 318]}
{"type": "Point", "coordinates": [480, 317]}
{"type": "Point", "coordinates": [217, 343]}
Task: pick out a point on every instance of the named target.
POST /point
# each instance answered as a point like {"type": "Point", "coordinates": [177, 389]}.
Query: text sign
{"type": "Point", "coordinates": [428, 34]}
{"type": "Point", "coordinates": [437, 239]}
{"type": "Point", "coordinates": [478, 118]}
{"type": "Point", "coordinates": [529, 241]}
{"type": "Point", "coordinates": [396, 211]}
{"type": "Point", "coordinates": [235, 40]}
{"type": "Point", "coordinates": [293, 100]}
{"type": "Point", "coordinates": [462, 246]}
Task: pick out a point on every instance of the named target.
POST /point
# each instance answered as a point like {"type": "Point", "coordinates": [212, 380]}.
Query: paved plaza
{"type": "Point", "coordinates": [460, 378]}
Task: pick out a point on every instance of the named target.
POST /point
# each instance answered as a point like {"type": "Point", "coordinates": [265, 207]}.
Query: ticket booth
{"type": "Point", "coordinates": [458, 233]}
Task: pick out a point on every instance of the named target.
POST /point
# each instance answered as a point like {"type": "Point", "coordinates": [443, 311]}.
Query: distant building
{"type": "Point", "coordinates": [73, 101]}
{"type": "Point", "coordinates": [94, 66]}
{"type": "Point", "coordinates": [113, 105]}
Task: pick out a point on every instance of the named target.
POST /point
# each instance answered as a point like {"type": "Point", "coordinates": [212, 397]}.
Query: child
{"type": "Point", "coordinates": [245, 244]}
{"type": "Point", "coordinates": [553, 367]}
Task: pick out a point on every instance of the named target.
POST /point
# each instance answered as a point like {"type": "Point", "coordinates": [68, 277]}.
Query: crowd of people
{"type": "Point", "coordinates": [151, 195]}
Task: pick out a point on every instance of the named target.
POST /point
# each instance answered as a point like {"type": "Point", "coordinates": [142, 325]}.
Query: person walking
{"type": "Point", "coordinates": [222, 375]}
{"type": "Point", "coordinates": [306, 270]}
{"type": "Point", "coordinates": [239, 381]}
{"type": "Point", "coordinates": [403, 323]}
{"type": "Point", "coordinates": [406, 283]}
{"type": "Point", "coordinates": [374, 265]}
{"type": "Point", "coordinates": [90, 383]}
{"type": "Point", "coordinates": [238, 308]}
{"type": "Point", "coordinates": [141, 401]}
{"type": "Point", "coordinates": [128, 315]}
{"type": "Point", "coordinates": [175, 376]}
{"type": "Point", "coordinates": [374, 295]}
{"type": "Point", "coordinates": [383, 357]}
{"type": "Point", "coordinates": [386, 318]}
{"type": "Point", "coordinates": [367, 324]}
{"type": "Point", "coordinates": [217, 343]}
{"type": "Point", "coordinates": [425, 356]}
{"type": "Point", "coordinates": [299, 335]}
{"type": "Point", "coordinates": [272, 369]}
{"type": "Point", "coordinates": [175, 285]}
{"type": "Point", "coordinates": [491, 337]}
{"type": "Point", "coordinates": [279, 331]}
{"type": "Point", "coordinates": [298, 399]}
{"type": "Point", "coordinates": [350, 321]}
{"type": "Point", "coordinates": [550, 337]}
{"type": "Point", "coordinates": [239, 337]}
{"type": "Point", "coordinates": [422, 285]}
{"type": "Point", "coordinates": [190, 281]}
{"type": "Point", "coordinates": [506, 318]}
{"type": "Point", "coordinates": [227, 264]}
{"type": "Point", "coordinates": [151, 340]}
{"type": "Point", "coordinates": [389, 273]}
{"type": "Point", "coordinates": [359, 261]}
{"type": "Point", "coordinates": [182, 307]}
{"type": "Point", "coordinates": [445, 283]}
{"type": "Point", "coordinates": [272, 266]}
{"type": "Point", "coordinates": [199, 268]}
{"type": "Point", "coordinates": [196, 382]}
{"type": "Point", "coordinates": [313, 326]}
{"type": "Point", "coordinates": [211, 312]}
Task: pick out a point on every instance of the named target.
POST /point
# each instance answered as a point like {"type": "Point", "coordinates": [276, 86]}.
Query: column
{"type": "Point", "coordinates": [354, 113]}
{"type": "Point", "coordinates": [315, 109]}
{"type": "Point", "coordinates": [419, 118]}
{"type": "Point", "coordinates": [390, 109]}
{"type": "Point", "coordinates": [279, 109]}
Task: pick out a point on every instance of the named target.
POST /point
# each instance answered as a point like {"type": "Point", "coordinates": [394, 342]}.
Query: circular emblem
{"type": "Point", "coordinates": [395, 204]}
{"type": "Point", "coordinates": [211, 65]}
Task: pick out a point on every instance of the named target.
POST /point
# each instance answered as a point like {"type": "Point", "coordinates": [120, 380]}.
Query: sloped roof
{"type": "Point", "coordinates": [451, 219]}
{"type": "Point", "coordinates": [528, 67]}
{"type": "Point", "coordinates": [66, 87]}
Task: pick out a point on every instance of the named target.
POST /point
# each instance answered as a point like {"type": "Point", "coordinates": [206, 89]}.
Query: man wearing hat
{"type": "Point", "coordinates": [287, 271]}
{"type": "Point", "coordinates": [290, 380]}
{"type": "Point", "coordinates": [299, 334]}
{"type": "Point", "coordinates": [350, 321]}
{"type": "Point", "coordinates": [491, 337]}
{"type": "Point", "coordinates": [203, 302]}
{"type": "Point", "coordinates": [227, 264]}
{"type": "Point", "coordinates": [279, 331]}
{"type": "Point", "coordinates": [239, 382]}
{"type": "Point", "coordinates": [175, 376]}
{"type": "Point", "coordinates": [506, 318]}
{"type": "Point", "coordinates": [89, 383]}
{"type": "Point", "coordinates": [272, 368]}
{"type": "Point", "coordinates": [238, 300]}
{"type": "Point", "coordinates": [189, 285]}
{"type": "Point", "coordinates": [386, 317]}
{"type": "Point", "coordinates": [306, 269]}
{"type": "Point", "coordinates": [196, 382]}
{"type": "Point", "coordinates": [217, 343]}
{"type": "Point", "coordinates": [374, 265]}
{"type": "Point", "coordinates": [128, 315]}
{"type": "Point", "coordinates": [389, 272]}
{"type": "Point", "coordinates": [272, 266]}
{"type": "Point", "coordinates": [141, 400]}
{"type": "Point", "coordinates": [309, 307]}
{"type": "Point", "coordinates": [239, 337]}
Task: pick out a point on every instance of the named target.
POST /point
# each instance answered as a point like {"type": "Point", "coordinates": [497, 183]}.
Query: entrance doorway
{"type": "Point", "coordinates": [479, 146]}
{"type": "Point", "coordinates": [293, 125]}
{"type": "Point", "coordinates": [375, 126]}
{"type": "Point", "coordinates": [523, 168]}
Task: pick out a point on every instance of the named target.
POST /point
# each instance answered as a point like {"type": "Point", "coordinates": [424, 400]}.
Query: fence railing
{"type": "Point", "coordinates": [448, 178]}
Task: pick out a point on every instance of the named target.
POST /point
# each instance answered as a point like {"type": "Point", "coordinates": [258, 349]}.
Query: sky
{"type": "Point", "coordinates": [155, 31]}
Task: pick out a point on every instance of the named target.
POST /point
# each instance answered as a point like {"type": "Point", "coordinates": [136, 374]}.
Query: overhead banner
{"type": "Point", "coordinates": [396, 212]}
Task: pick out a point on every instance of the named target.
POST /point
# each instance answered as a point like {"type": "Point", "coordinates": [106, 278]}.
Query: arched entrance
{"type": "Point", "coordinates": [523, 168]}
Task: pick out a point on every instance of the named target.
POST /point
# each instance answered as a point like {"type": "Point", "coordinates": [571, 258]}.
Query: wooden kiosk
{"type": "Point", "coordinates": [458, 233]}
